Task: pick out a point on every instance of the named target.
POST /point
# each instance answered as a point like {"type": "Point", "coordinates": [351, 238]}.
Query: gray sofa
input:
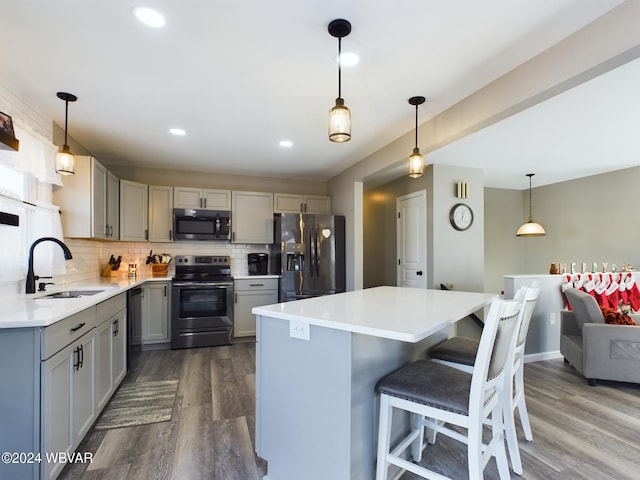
{"type": "Point", "coordinates": [597, 350]}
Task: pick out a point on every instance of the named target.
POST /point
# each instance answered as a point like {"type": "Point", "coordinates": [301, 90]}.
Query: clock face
{"type": "Point", "coordinates": [461, 216]}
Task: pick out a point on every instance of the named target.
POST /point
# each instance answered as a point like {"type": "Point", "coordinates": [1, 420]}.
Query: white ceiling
{"type": "Point", "coordinates": [240, 76]}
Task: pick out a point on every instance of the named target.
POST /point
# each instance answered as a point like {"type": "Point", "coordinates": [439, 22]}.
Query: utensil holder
{"type": "Point", "coordinates": [159, 269]}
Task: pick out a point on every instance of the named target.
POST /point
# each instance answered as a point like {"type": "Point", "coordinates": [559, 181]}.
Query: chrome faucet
{"type": "Point", "coordinates": [31, 278]}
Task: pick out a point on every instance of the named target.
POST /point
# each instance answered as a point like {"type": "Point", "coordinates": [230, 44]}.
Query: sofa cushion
{"type": "Point", "coordinates": [614, 317]}
{"type": "Point", "coordinates": [584, 306]}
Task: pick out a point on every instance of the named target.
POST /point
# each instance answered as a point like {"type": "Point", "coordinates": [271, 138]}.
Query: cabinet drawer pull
{"type": "Point", "coordinates": [78, 327]}
{"type": "Point", "coordinates": [79, 351]}
{"type": "Point", "coordinates": [256, 284]}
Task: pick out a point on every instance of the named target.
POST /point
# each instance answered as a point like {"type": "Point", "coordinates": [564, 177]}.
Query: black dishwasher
{"type": "Point", "coordinates": [134, 322]}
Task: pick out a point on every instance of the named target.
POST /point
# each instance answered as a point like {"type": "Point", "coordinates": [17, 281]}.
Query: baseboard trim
{"type": "Point", "coordinates": [539, 357]}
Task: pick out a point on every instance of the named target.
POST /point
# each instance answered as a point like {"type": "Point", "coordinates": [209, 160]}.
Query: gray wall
{"type": "Point", "coordinates": [503, 251]}
{"type": "Point", "coordinates": [452, 256]}
{"type": "Point", "coordinates": [590, 219]}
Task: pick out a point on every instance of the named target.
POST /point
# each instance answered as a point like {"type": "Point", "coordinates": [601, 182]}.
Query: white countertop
{"type": "Point", "coordinates": [33, 310]}
{"type": "Point", "coordinates": [406, 314]}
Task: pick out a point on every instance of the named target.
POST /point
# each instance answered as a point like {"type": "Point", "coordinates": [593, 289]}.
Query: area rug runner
{"type": "Point", "coordinates": [139, 404]}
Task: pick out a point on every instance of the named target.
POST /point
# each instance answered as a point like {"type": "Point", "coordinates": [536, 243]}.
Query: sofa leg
{"type": "Point", "coordinates": [592, 382]}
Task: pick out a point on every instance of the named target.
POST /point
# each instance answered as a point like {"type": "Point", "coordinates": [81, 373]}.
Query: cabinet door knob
{"type": "Point", "coordinates": [419, 273]}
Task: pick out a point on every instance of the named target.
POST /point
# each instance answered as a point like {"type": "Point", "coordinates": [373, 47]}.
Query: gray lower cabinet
{"type": "Point", "coordinates": [155, 312]}
{"type": "Point", "coordinates": [55, 381]}
{"type": "Point", "coordinates": [103, 348]}
{"type": "Point", "coordinates": [111, 360]}
{"type": "Point", "coordinates": [67, 400]}
{"type": "Point", "coordinates": [251, 293]}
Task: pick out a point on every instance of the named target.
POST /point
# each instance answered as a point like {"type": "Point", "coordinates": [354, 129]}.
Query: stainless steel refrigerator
{"type": "Point", "coordinates": [309, 255]}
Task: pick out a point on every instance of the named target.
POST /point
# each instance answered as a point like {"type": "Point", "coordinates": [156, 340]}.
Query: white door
{"type": "Point", "coordinates": [412, 239]}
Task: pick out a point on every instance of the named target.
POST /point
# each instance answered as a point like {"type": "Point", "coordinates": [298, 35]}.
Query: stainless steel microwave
{"type": "Point", "coordinates": [191, 224]}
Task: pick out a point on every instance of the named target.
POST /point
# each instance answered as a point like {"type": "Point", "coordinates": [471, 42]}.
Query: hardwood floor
{"type": "Point", "coordinates": [580, 432]}
{"type": "Point", "coordinates": [211, 432]}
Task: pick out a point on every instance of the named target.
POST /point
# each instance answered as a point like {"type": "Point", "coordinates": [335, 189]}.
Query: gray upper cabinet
{"type": "Point", "coordinates": [160, 213]}
{"type": "Point", "coordinates": [134, 211]}
{"type": "Point", "coordinates": [89, 201]}
{"type": "Point", "coordinates": [297, 203]}
{"type": "Point", "coordinates": [201, 198]}
{"type": "Point", "coordinates": [252, 217]}
{"type": "Point", "coordinates": [113, 207]}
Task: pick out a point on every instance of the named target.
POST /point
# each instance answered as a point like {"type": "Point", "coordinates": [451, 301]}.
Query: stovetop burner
{"type": "Point", "coordinates": [204, 268]}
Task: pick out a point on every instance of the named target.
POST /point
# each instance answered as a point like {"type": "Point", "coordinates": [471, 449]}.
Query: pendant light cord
{"type": "Point", "coordinates": [416, 126]}
{"type": "Point", "coordinates": [339, 67]}
{"type": "Point", "coordinates": [530, 214]}
{"type": "Point", "coordinates": [66, 116]}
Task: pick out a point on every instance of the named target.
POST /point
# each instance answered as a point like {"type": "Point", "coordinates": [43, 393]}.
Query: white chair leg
{"type": "Point", "coordinates": [431, 434]}
{"type": "Point", "coordinates": [524, 419]}
{"type": "Point", "coordinates": [510, 434]}
{"type": "Point", "coordinates": [500, 453]}
{"type": "Point", "coordinates": [474, 453]}
{"type": "Point", "coordinates": [521, 405]}
{"type": "Point", "coordinates": [418, 443]}
{"type": "Point", "coordinates": [384, 437]}
{"type": "Point", "coordinates": [512, 438]}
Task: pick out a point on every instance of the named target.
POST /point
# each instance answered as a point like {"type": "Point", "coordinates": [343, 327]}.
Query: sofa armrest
{"type": "Point", "coordinates": [569, 326]}
{"type": "Point", "coordinates": [611, 352]}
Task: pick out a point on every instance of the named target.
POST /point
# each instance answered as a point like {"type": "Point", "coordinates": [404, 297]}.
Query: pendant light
{"type": "Point", "coordinates": [416, 160]}
{"type": "Point", "coordinates": [64, 158]}
{"type": "Point", "coordinates": [339, 115]}
{"type": "Point", "coordinates": [530, 228]}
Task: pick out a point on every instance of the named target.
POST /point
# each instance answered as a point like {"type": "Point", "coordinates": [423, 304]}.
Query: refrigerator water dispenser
{"type": "Point", "coordinates": [295, 262]}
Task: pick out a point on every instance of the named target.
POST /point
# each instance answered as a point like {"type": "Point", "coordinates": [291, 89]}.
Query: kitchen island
{"type": "Point", "coordinates": [317, 363]}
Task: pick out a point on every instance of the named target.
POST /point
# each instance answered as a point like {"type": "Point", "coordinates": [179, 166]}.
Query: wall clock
{"type": "Point", "coordinates": [461, 216]}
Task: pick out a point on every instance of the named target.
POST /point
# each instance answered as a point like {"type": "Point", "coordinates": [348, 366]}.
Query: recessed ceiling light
{"type": "Point", "coordinates": [348, 59]}
{"type": "Point", "coordinates": [149, 16]}
{"type": "Point", "coordinates": [177, 131]}
{"type": "Point", "coordinates": [286, 143]}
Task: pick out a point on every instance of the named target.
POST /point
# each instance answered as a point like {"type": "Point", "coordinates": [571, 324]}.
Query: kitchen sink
{"type": "Point", "coordinates": [73, 294]}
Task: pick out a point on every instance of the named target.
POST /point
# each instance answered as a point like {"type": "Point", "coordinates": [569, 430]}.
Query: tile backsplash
{"type": "Point", "coordinates": [90, 256]}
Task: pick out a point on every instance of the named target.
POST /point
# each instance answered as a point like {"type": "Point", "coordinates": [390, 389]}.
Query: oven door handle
{"type": "Point", "coordinates": [203, 284]}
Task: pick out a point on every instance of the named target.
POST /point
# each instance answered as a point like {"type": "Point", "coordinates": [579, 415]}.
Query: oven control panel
{"type": "Point", "coordinates": [203, 260]}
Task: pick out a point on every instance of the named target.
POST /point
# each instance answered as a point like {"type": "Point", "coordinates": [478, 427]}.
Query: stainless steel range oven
{"type": "Point", "coordinates": [201, 302]}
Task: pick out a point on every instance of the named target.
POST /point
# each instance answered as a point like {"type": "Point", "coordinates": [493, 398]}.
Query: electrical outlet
{"type": "Point", "coordinates": [299, 330]}
{"type": "Point", "coordinates": [552, 318]}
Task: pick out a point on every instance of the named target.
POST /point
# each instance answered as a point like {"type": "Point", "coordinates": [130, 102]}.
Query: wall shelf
{"type": "Point", "coordinates": [7, 142]}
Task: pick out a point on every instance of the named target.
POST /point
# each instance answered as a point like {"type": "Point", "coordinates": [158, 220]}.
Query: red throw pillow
{"type": "Point", "coordinates": [613, 317]}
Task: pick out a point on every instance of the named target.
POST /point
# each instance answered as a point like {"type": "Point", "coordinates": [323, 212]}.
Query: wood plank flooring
{"type": "Point", "coordinates": [580, 432]}
{"type": "Point", "coordinates": [211, 432]}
